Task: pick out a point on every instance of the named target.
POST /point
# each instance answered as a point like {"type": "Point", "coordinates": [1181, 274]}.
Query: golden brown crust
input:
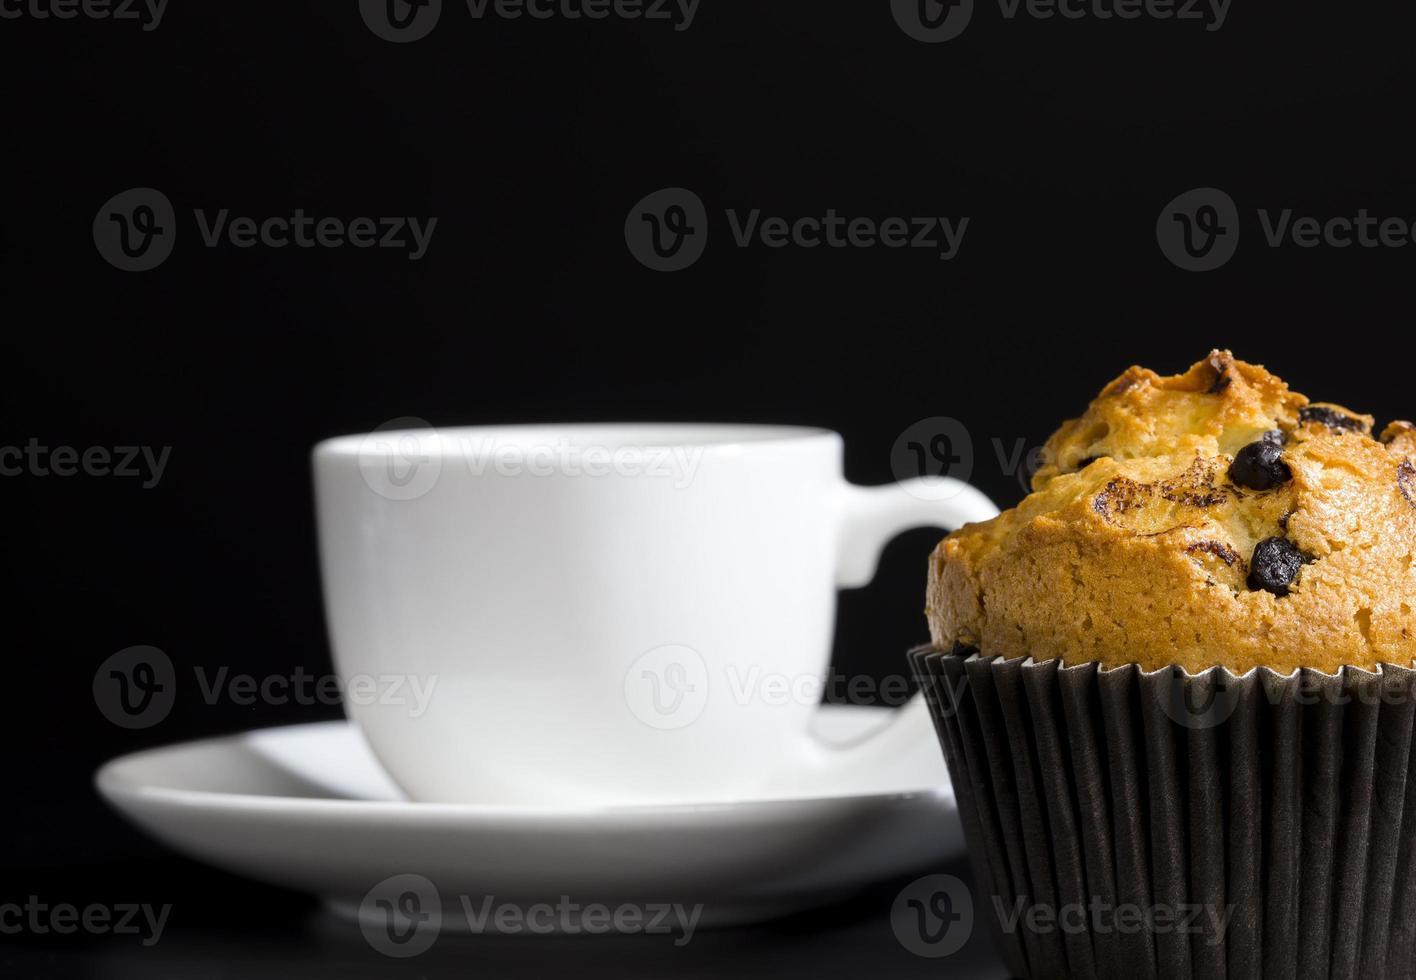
{"type": "Point", "coordinates": [1137, 544]}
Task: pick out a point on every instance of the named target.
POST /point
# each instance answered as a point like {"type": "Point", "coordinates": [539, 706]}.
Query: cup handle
{"type": "Point", "coordinates": [870, 518]}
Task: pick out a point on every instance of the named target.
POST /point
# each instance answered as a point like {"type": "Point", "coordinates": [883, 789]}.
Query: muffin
{"type": "Point", "coordinates": [1175, 683]}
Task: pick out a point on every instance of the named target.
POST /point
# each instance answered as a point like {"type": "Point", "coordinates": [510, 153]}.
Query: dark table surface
{"type": "Point", "coordinates": [229, 928]}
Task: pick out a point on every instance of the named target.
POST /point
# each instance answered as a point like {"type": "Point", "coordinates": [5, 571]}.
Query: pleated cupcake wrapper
{"type": "Point", "coordinates": [1284, 805]}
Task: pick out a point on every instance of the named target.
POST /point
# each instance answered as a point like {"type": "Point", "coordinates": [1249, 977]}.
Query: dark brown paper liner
{"type": "Point", "coordinates": [1291, 798]}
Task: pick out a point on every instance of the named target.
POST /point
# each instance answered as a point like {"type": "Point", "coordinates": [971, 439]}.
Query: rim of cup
{"type": "Point", "coordinates": [471, 440]}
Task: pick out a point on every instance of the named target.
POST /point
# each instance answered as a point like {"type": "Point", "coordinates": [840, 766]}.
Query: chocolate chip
{"type": "Point", "coordinates": [1277, 436]}
{"type": "Point", "coordinates": [1331, 418]}
{"type": "Point", "coordinates": [1260, 466]}
{"type": "Point", "coordinates": [1406, 481]}
{"type": "Point", "coordinates": [1275, 565]}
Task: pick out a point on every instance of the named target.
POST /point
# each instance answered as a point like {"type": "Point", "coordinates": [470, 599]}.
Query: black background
{"type": "Point", "coordinates": [530, 141]}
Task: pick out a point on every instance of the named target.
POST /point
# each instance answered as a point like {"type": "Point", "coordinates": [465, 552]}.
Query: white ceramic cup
{"type": "Point", "coordinates": [602, 614]}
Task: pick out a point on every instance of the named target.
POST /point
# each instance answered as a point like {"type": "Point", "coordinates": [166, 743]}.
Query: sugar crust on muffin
{"type": "Point", "coordinates": [1144, 541]}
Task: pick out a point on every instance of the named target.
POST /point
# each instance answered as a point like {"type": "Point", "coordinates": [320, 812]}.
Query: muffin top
{"type": "Point", "coordinates": [1213, 518]}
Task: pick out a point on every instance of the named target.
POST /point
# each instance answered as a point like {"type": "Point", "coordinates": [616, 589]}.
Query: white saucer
{"type": "Point", "coordinates": [307, 807]}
